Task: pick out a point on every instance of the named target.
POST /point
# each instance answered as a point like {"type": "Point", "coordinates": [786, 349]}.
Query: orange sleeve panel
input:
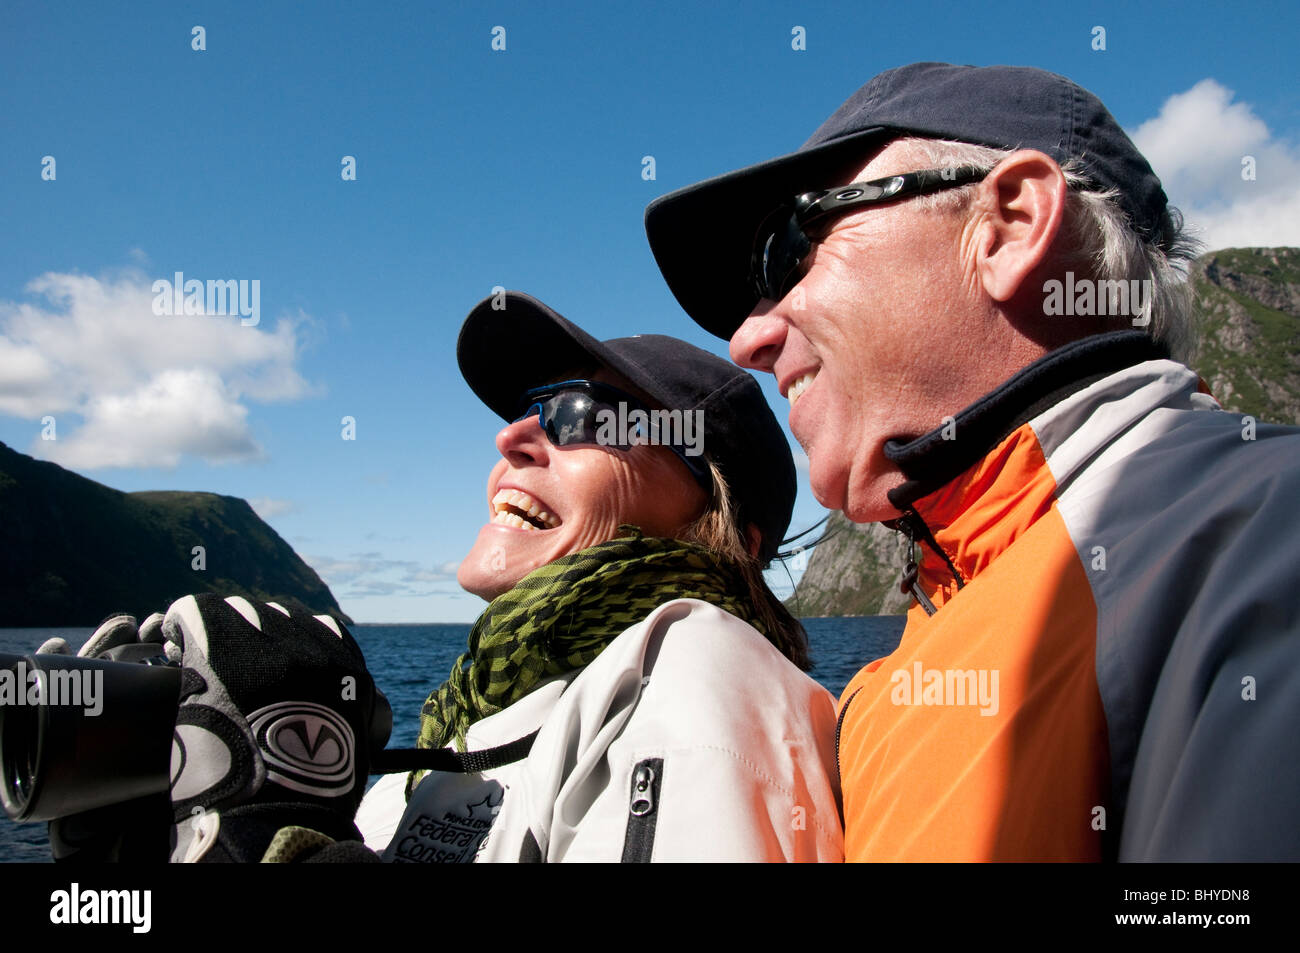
{"type": "Point", "coordinates": [982, 737]}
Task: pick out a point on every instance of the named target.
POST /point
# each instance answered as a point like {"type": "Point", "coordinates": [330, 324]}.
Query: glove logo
{"type": "Point", "coordinates": [307, 747]}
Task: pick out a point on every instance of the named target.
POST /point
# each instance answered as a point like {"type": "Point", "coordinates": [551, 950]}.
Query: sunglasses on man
{"type": "Point", "coordinates": [779, 259]}
{"type": "Point", "coordinates": [570, 413]}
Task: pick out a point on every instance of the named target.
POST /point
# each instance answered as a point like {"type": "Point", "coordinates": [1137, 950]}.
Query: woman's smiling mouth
{"type": "Point", "coordinates": [516, 508]}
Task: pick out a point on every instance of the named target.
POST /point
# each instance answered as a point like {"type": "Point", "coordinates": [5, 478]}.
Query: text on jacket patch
{"type": "Point", "coordinates": [454, 837]}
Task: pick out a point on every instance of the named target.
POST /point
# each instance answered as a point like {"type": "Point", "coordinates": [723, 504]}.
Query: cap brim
{"type": "Point", "coordinates": [512, 342]}
{"type": "Point", "coordinates": [702, 235]}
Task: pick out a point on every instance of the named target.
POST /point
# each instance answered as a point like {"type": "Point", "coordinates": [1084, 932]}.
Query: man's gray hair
{"type": "Point", "coordinates": [1096, 238]}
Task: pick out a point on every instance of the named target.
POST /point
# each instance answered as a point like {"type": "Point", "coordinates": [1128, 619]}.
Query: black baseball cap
{"type": "Point", "coordinates": [702, 235]}
{"type": "Point", "coordinates": [511, 343]}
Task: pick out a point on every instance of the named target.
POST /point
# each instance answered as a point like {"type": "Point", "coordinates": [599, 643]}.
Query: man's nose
{"type": "Point", "coordinates": [758, 342]}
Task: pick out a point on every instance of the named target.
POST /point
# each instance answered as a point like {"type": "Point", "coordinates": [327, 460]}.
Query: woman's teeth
{"type": "Point", "coordinates": [799, 386]}
{"type": "Point", "coordinates": [516, 508]}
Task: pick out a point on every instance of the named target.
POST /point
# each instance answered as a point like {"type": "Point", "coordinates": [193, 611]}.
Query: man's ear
{"type": "Point", "coordinates": [754, 538]}
{"type": "Point", "coordinates": [1023, 204]}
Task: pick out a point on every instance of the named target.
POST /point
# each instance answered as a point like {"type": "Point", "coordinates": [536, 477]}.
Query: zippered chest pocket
{"type": "Point", "coordinates": [643, 811]}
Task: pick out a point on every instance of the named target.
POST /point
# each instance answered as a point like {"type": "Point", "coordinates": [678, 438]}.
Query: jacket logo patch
{"type": "Point", "coordinates": [454, 836]}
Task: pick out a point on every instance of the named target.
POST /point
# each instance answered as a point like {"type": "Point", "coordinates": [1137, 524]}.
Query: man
{"type": "Point", "coordinates": [967, 282]}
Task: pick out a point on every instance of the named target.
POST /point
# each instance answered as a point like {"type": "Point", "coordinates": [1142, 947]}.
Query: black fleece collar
{"type": "Point", "coordinates": [930, 461]}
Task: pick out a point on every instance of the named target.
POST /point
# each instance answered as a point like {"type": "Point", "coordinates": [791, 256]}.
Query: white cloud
{"type": "Point", "coordinates": [173, 413]}
{"type": "Point", "coordinates": [1197, 145]}
{"type": "Point", "coordinates": [149, 389]}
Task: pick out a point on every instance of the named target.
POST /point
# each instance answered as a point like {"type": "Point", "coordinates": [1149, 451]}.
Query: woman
{"type": "Point", "coordinates": [631, 691]}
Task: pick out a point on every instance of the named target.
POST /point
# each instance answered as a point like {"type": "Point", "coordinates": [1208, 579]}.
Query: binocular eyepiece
{"type": "Point", "coordinates": [78, 734]}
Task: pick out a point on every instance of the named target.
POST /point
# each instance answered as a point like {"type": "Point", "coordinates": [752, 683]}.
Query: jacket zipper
{"type": "Point", "coordinates": [839, 777]}
{"type": "Point", "coordinates": [643, 811]}
{"type": "Point", "coordinates": [915, 529]}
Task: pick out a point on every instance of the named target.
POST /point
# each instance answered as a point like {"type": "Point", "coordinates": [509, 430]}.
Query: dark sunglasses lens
{"type": "Point", "coordinates": [570, 419]}
{"type": "Point", "coordinates": [777, 261]}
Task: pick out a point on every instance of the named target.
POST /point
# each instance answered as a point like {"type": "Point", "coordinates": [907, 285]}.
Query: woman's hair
{"type": "Point", "coordinates": [718, 529]}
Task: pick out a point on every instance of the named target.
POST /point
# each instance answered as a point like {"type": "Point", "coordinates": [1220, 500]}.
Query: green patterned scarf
{"type": "Point", "coordinates": [560, 617]}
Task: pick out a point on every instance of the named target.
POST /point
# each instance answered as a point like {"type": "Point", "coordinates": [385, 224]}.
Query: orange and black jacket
{"type": "Point", "coordinates": [1103, 660]}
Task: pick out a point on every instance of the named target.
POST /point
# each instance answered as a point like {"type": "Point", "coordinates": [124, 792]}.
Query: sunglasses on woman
{"type": "Point", "coordinates": [589, 413]}
{"type": "Point", "coordinates": [779, 259]}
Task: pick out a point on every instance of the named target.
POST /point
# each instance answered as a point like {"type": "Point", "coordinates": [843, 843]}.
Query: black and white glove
{"type": "Point", "coordinates": [117, 638]}
{"type": "Point", "coordinates": [277, 720]}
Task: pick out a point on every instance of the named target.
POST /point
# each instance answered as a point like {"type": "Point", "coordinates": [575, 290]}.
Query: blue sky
{"type": "Point", "coordinates": [475, 168]}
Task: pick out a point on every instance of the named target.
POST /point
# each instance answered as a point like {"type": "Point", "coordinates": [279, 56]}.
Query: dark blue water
{"type": "Point", "coordinates": [408, 661]}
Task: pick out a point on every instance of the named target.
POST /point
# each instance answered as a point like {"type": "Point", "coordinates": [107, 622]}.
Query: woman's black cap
{"type": "Point", "coordinates": [511, 342]}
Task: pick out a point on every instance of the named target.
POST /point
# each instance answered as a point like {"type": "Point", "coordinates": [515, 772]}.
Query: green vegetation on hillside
{"type": "Point", "coordinates": [1248, 301]}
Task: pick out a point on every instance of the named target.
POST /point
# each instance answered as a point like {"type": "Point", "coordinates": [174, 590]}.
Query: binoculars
{"type": "Point", "coordinates": [77, 734]}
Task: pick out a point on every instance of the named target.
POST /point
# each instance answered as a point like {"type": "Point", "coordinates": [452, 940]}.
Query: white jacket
{"type": "Point", "coordinates": [690, 738]}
